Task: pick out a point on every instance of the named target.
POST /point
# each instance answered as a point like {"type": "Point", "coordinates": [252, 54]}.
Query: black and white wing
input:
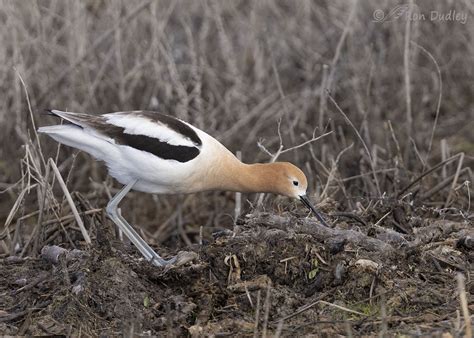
{"type": "Point", "coordinates": [164, 136]}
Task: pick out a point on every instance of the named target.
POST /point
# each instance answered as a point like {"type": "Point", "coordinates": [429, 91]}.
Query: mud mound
{"type": "Point", "coordinates": [280, 274]}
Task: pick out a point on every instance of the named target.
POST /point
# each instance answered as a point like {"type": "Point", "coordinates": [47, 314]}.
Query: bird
{"type": "Point", "coordinates": [156, 153]}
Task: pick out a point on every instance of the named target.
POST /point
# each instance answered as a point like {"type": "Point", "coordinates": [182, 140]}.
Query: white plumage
{"type": "Point", "coordinates": [126, 163]}
{"type": "Point", "coordinates": [87, 140]}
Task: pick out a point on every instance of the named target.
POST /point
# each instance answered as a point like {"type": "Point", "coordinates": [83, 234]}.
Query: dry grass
{"type": "Point", "coordinates": [263, 77]}
{"type": "Point", "coordinates": [230, 67]}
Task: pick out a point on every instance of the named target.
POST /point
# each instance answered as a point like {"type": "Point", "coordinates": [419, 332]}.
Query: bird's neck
{"type": "Point", "coordinates": [247, 178]}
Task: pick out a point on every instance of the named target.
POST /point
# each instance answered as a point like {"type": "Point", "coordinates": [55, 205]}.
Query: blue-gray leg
{"type": "Point", "coordinates": [131, 234]}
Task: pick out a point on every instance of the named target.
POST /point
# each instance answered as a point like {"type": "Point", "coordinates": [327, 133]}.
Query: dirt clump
{"type": "Point", "coordinates": [279, 274]}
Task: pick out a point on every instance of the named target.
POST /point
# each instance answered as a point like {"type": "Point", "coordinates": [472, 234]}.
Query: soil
{"type": "Point", "coordinates": [279, 274]}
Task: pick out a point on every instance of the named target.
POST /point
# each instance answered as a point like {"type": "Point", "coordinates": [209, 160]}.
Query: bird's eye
{"type": "Point", "coordinates": [295, 183]}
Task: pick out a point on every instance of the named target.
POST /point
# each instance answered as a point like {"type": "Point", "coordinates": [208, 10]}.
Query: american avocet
{"type": "Point", "coordinates": [160, 154]}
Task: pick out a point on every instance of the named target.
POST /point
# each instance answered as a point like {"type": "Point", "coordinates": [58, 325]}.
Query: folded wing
{"type": "Point", "coordinates": [161, 135]}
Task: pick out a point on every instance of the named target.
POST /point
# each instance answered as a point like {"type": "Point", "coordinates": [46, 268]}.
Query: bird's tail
{"type": "Point", "coordinates": [82, 120]}
{"type": "Point", "coordinates": [76, 137]}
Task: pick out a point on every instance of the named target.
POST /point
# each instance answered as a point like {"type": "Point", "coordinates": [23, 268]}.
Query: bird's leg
{"type": "Point", "coordinates": [131, 234]}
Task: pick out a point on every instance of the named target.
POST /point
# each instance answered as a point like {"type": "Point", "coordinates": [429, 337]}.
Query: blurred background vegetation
{"type": "Point", "coordinates": [397, 95]}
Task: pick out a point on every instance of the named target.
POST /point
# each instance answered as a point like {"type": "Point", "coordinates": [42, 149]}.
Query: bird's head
{"type": "Point", "coordinates": [290, 181]}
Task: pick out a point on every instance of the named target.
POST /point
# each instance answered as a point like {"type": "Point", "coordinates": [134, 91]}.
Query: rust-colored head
{"type": "Point", "coordinates": [285, 179]}
{"type": "Point", "coordinates": [282, 178]}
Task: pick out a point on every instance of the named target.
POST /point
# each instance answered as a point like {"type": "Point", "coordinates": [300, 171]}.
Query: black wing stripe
{"type": "Point", "coordinates": [145, 143]}
{"type": "Point", "coordinates": [149, 144]}
{"type": "Point", "coordinates": [173, 123]}
{"type": "Point", "coordinates": [154, 146]}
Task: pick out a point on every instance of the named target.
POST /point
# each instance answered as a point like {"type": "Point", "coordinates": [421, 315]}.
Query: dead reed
{"type": "Point", "coordinates": [392, 99]}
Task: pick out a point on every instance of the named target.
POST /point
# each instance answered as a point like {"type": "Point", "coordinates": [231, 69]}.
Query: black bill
{"type": "Point", "coordinates": [306, 202]}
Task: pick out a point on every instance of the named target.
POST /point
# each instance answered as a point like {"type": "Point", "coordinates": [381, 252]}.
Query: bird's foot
{"type": "Point", "coordinates": [180, 259]}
